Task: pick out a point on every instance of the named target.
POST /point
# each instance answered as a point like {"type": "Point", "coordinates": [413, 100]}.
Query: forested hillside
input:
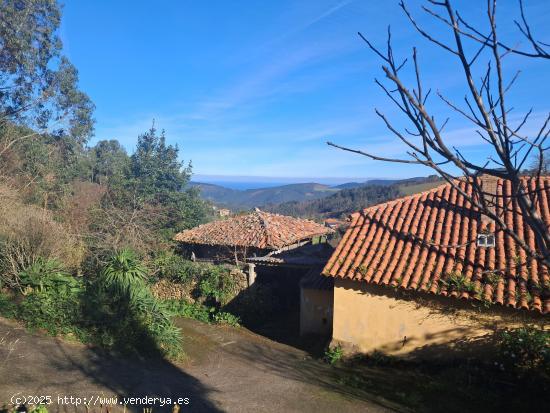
{"type": "Point", "coordinates": [354, 199]}
{"type": "Point", "coordinates": [251, 198]}
{"type": "Point", "coordinates": [340, 203]}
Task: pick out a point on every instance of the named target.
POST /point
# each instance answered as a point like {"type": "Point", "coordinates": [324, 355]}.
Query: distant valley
{"type": "Point", "coordinates": [250, 198]}
{"type": "Point", "coordinates": [315, 200]}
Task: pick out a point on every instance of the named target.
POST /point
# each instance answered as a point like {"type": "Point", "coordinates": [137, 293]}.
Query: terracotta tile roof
{"type": "Point", "coordinates": [257, 229]}
{"type": "Point", "coordinates": [422, 241]}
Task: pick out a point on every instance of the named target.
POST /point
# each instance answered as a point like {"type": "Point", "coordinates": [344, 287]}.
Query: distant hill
{"type": "Point", "coordinates": [386, 182]}
{"type": "Point", "coordinates": [350, 185]}
{"type": "Point", "coordinates": [404, 182]}
{"type": "Point", "coordinates": [237, 199]}
{"type": "Point", "coordinates": [313, 199]}
{"type": "Point", "coordinates": [350, 200]}
{"type": "Point", "coordinates": [339, 204]}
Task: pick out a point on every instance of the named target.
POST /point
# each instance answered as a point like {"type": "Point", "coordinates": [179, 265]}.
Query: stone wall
{"type": "Point", "coordinates": [168, 290]}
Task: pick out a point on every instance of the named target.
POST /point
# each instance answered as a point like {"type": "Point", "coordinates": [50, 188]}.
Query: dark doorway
{"type": "Point", "coordinates": [271, 306]}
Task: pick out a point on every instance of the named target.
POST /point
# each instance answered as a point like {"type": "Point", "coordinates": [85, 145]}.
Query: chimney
{"type": "Point", "coordinates": [489, 185]}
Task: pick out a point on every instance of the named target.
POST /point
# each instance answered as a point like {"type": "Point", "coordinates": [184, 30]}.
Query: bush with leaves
{"type": "Point", "coordinates": [525, 350]}
{"type": "Point", "coordinates": [223, 317]}
{"type": "Point", "coordinates": [173, 267]}
{"type": "Point", "coordinates": [8, 308]}
{"type": "Point", "coordinates": [52, 298]}
{"type": "Point", "coordinates": [333, 354]}
{"type": "Point", "coordinates": [124, 274]}
{"type": "Point", "coordinates": [214, 284]}
{"type": "Point", "coordinates": [201, 312]}
{"type": "Point", "coordinates": [196, 311]}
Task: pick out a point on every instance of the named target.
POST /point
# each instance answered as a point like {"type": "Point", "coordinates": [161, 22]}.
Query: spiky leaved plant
{"type": "Point", "coordinates": [124, 274]}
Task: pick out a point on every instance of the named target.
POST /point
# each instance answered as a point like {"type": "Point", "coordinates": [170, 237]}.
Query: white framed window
{"type": "Point", "coordinates": [486, 240]}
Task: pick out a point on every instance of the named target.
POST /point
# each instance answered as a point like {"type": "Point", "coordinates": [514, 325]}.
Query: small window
{"type": "Point", "coordinates": [486, 240]}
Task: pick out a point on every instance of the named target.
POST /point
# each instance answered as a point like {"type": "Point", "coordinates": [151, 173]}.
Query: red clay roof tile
{"type": "Point", "coordinates": [418, 241]}
{"type": "Point", "coordinates": [257, 229]}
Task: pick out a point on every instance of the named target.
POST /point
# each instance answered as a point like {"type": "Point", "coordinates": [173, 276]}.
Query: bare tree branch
{"type": "Point", "coordinates": [487, 109]}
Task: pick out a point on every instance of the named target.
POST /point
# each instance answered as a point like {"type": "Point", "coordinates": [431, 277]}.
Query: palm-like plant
{"type": "Point", "coordinates": [124, 273]}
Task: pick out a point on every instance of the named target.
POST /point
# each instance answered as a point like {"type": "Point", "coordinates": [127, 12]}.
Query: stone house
{"type": "Point", "coordinates": [429, 271]}
{"type": "Point", "coordinates": [271, 241]}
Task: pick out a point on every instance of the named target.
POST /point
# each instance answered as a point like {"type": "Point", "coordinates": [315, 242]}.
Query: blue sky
{"type": "Point", "coordinates": [256, 88]}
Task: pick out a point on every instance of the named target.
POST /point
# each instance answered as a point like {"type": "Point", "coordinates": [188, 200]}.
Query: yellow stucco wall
{"type": "Point", "coordinates": [368, 318]}
{"type": "Point", "coordinates": [315, 311]}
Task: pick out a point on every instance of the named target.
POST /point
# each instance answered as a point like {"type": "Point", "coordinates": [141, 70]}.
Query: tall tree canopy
{"type": "Point", "coordinates": [109, 159]}
{"type": "Point", "coordinates": [154, 188]}
{"type": "Point", "coordinates": [155, 168]}
{"type": "Point", "coordinates": [38, 85]}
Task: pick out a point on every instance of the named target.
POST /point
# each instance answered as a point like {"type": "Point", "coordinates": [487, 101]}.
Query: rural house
{"type": "Point", "coordinates": [253, 235]}
{"type": "Point", "coordinates": [277, 250]}
{"type": "Point", "coordinates": [428, 271]}
{"type": "Point", "coordinates": [257, 233]}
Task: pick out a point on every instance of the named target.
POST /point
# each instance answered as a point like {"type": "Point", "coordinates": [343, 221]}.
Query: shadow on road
{"type": "Point", "coordinates": [61, 369]}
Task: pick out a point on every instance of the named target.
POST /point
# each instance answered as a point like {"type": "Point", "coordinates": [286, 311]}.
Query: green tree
{"type": "Point", "coordinates": [156, 181]}
{"type": "Point", "coordinates": [109, 159]}
{"type": "Point", "coordinates": [38, 85]}
{"type": "Point", "coordinates": [155, 168]}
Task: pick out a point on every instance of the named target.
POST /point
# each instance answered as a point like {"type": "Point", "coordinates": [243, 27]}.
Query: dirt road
{"type": "Point", "coordinates": [227, 369]}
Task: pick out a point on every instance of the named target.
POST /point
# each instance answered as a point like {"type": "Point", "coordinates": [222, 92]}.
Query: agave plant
{"type": "Point", "coordinates": [124, 273]}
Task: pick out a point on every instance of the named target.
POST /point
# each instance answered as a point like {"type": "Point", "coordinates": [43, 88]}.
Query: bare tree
{"type": "Point", "coordinates": [485, 106]}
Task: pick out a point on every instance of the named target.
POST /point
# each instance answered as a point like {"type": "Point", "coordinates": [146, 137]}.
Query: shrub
{"type": "Point", "coordinates": [8, 308]}
{"type": "Point", "coordinates": [53, 298]}
{"type": "Point", "coordinates": [115, 311]}
{"type": "Point", "coordinates": [27, 234]}
{"type": "Point", "coordinates": [525, 350]}
{"type": "Point", "coordinates": [224, 317]}
{"type": "Point", "coordinates": [173, 267]}
{"type": "Point", "coordinates": [57, 314]}
{"type": "Point", "coordinates": [216, 284]}
{"type": "Point", "coordinates": [334, 354]}
{"type": "Point", "coordinates": [458, 282]}
{"type": "Point", "coordinates": [195, 311]}
{"type": "Point", "coordinates": [200, 312]}
{"type": "Point", "coordinates": [47, 275]}
{"type": "Point", "coordinates": [125, 313]}
{"type": "Point", "coordinates": [213, 283]}
{"type": "Point", "coordinates": [124, 273]}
